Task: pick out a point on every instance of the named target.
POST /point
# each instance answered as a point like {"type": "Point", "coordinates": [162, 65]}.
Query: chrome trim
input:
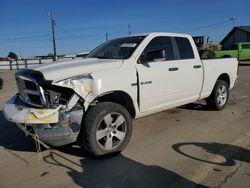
{"type": "Point", "coordinates": [24, 92]}
{"type": "Point", "coordinates": [33, 92]}
{"type": "Point", "coordinates": [44, 101]}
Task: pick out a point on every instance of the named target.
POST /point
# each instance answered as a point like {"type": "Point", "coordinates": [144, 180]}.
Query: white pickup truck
{"type": "Point", "coordinates": [94, 100]}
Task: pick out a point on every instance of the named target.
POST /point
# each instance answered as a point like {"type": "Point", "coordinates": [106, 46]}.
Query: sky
{"type": "Point", "coordinates": [81, 25]}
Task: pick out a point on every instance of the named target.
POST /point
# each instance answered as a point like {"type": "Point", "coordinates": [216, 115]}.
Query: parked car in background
{"type": "Point", "coordinates": [96, 98]}
{"type": "Point", "coordinates": [241, 51]}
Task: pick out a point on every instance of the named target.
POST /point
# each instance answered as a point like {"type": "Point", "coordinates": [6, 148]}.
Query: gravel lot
{"type": "Point", "coordinates": [183, 147]}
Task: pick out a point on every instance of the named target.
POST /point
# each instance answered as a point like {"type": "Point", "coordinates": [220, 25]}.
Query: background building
{"type": "Point", "coordinates": [237, 34]}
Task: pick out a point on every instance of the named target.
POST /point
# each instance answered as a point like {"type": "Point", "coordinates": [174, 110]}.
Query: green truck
{"type": "Point", "coordinates": [241, 51]}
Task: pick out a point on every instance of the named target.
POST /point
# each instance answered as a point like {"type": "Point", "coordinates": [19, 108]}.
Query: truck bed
{"type": "Point", "coordinates": [213, 69]}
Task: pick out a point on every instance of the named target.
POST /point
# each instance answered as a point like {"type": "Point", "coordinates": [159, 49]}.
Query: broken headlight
{"type": "Point", "coordinates": [82, 85]}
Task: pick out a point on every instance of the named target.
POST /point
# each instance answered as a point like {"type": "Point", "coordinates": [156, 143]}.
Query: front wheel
{"type": "Point", "coordinates": [219, 96]}
{"type": "Point", "coordinates": [107, 129]}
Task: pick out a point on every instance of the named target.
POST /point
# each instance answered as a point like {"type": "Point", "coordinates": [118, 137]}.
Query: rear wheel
{"type": "Point", "coordinates": [219, 96]}
{"type": "Point", "coordinates": [107, 129]}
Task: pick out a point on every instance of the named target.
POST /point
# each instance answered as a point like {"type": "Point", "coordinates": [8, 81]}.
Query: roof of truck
{"type": "Point", "coordinates": [159, 33]}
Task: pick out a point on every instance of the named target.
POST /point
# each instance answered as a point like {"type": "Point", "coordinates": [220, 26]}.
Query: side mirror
{"type": "Point", "coordinates": [142, 59]}
{"type": "Point", "coordinates": [153, 55]}
{"type": "Point", "coordinates": [156, 55]}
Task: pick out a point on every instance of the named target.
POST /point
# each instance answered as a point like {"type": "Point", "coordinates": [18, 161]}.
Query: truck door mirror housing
{"type": "Point", "coordinates": [156, 55]}
{"type": "Point", "coordinates": [142, 59]}
{"type": "Point", "coordinates": [153, 55]}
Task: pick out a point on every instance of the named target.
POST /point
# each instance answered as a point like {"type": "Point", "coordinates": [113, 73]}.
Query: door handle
{"type": "Point", "coordinates": [197, 66]}
{"type": "Point", "coordinates": [173, 69]}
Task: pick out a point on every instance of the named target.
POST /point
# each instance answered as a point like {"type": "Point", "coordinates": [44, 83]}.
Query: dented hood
{"type": "Point", "coordinates": [62, 70]}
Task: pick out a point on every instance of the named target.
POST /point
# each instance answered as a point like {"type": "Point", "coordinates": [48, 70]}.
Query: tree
{"type": "Point", "coordinates": [12, 55]}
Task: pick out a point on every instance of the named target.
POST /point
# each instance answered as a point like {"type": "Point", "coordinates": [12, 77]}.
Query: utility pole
{"type": "Point", "coordinates": [129, 29]}
{"type": "Point", "coordinates": [107, 37]}
{"type": "Point", "coordinates": [233, 19]}
{"type": "Point", "coordinates": [53, 23]}
{"type": "Point", "coordinates": [20, 53]}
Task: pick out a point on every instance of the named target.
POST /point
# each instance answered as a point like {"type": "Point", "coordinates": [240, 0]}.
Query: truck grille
{"type": "Point", "coordinates": [30, 92]}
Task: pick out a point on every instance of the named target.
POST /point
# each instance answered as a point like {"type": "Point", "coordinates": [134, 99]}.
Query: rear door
{"type": "Point", "coordinates": [191, 70]}
{"type": "Point", "coordinates": [172, 80]}
{"type": "Point", "coordinates": [244, 52]}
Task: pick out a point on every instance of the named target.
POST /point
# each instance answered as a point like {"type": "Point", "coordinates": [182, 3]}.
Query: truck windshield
{"type": "Point", "coordinates": [121, 48]}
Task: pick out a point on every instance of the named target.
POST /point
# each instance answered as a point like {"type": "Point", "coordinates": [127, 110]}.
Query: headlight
{"type": "Point", "coordinates": [83, 84]}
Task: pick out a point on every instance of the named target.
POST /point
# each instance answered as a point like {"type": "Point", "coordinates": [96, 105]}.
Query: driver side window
{"type": "Point", "coordinates": [159, 46]}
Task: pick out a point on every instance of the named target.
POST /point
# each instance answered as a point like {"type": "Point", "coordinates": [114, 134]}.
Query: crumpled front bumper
{"type": "Point", "coordinates": [55, 127]}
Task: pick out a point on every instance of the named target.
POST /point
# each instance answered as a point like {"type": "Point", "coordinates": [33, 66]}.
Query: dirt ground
{"type": "Point", "coordinates": [189, 146]}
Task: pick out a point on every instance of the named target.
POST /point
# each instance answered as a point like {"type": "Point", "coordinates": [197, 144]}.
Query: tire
{"type": "Point", "coordinates": [106, 129]}
{"type": "Point", "coordinates": [219, 96]}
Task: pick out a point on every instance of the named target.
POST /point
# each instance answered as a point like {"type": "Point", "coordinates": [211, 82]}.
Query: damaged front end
{"type": "Point", "coordinates": [52, 111]}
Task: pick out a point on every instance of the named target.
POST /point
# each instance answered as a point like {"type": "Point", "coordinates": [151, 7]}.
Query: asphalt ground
{"type": "Point", "coordinates": [189, 146]}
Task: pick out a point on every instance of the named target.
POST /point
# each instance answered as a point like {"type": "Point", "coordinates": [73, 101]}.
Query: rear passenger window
{"type": "Point", "coordinates": [185, 48]}
{"type": "Point", "coordinates": [161, 43]}
{"type": "Point", "coordinates": [233, 47]}
{"type": "Point", "coordinates": [245, 46]}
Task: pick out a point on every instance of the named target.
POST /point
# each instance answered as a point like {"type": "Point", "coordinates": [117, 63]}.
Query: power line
{"type": "Point", "coordinates": [134, 23]}
{"type": "Point", "coordinates": [83, 36]}
{"type": "Point", "coordinates": [42, 37]}
{"type": "Point", "coordinates": [25, 37]}
{"type": "Point", "coordinates": [107, 25]}
{"type": "Point", "coordinates": [207, 26]}
{"type": "Point", "coordinates": [68, 32]}
{"type": "Point", "coordinates": [25, 33]}
{"type": "Point", "coordinates": [26, 40]}
{"type": "Point", "coordinates": [94, 27]}
{"type": "Point", "coordinates": [97, 35]}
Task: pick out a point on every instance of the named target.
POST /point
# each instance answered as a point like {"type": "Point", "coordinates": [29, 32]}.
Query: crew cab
{"type": "Point", "coordinates": [241, 51]}
{"type": "Point", "coordinates": [94, 100]}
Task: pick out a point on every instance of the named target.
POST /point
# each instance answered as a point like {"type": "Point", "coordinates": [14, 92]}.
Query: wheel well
{"type": "Point", "coordinates": [225, 77]}
{"type": "Point", "coordinates": [119, 97]}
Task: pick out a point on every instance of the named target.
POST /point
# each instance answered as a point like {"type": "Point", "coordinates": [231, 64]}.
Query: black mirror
{"type": "Point", "coordinates": [156, 55]}
{"type": "Point", "coordinates": [143, 58]}
{"type": "Point", "coordinates": [153, 55]}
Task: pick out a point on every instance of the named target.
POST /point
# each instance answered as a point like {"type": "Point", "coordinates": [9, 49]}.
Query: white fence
{"type": "Point", "coordinates": [18, 64]}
